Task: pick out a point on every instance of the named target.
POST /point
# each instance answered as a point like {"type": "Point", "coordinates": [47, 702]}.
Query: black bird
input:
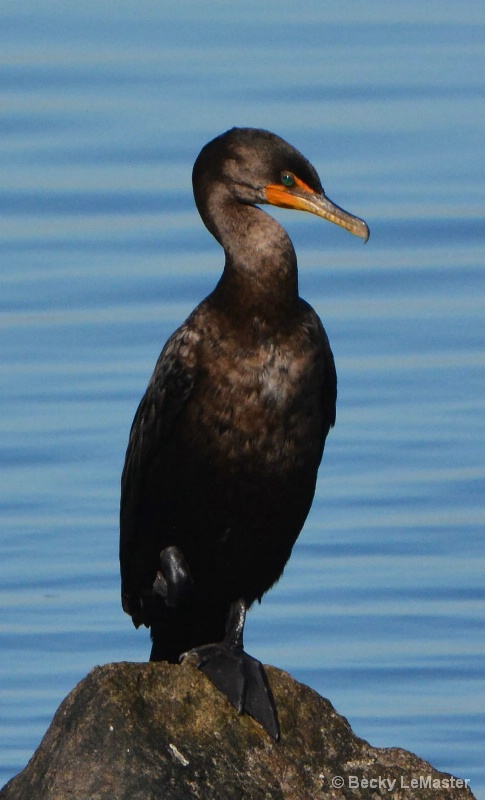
{"type": "Point", "coordinates": [223, 453]}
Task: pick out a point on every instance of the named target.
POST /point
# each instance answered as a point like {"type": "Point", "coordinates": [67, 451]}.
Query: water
{"type": "Point", "coordinates": [105, 107]}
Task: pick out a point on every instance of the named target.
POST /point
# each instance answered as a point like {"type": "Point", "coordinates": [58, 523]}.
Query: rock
{"type": "Point", "coordinates": [163, 732]}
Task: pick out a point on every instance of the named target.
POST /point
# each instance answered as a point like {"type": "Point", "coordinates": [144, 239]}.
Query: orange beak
{"type": "Point", "coordinates": [302, 198]}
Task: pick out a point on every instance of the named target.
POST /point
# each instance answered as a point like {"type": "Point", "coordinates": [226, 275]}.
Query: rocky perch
{"type": "Point", "coordinates": [163, 732]}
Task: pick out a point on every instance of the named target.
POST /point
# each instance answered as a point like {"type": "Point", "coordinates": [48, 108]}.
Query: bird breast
{"type": "Point", "coordinates": [257, 408]}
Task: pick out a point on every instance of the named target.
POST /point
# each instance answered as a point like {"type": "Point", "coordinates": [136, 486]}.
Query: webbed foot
{"type": "Point", "coordinates": [238, 675]}
{"type": "Point", "coordinates": [173, 581]}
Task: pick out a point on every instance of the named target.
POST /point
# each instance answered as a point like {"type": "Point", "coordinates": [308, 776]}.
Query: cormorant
{"type": "Point", "coordinates": [224, 449]}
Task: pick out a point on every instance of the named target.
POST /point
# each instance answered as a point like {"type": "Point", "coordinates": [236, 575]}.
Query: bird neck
{"type": "Point", "coordinates": [260, 278]}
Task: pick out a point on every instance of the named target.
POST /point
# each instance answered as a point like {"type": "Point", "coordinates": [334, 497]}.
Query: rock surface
{"type": "Point", "coordinates": [163, 732]}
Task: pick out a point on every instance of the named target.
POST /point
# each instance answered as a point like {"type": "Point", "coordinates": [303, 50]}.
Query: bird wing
{"type": "Point", "coordinates": [325, 366]}
{"type": "Point", "coordinates": [330, 385]}
{"type": "Point", "coordinates": [168, 391]}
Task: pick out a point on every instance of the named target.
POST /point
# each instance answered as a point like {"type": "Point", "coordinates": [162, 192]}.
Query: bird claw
{"type": "Point", "coordinates": [242, 679]}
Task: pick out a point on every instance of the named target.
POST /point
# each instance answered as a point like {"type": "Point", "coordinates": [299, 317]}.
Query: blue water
{"type": "Point", "coordinates": [104, 109]}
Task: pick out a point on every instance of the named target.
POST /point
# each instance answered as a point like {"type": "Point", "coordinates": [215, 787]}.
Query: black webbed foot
{"type": "Point", "coordinates": [238, 675]}
{"type": "Point", "coordinates": [243, 680]}
{"type": "Point", "coordinates": [173, 581]}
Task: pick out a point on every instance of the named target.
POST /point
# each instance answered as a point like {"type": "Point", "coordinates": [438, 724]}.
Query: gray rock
{"type": "Point", "coordinates": [163, 732]}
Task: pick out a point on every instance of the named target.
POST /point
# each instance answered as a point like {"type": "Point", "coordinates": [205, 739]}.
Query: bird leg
{"type": "Point", "coordinates": [173, 582]}
{"type": "Point", "coordinates": [238, 675]}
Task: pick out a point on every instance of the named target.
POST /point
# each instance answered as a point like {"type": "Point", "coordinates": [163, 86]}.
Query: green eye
{"type": "Point", "coordinates": [287, 179]}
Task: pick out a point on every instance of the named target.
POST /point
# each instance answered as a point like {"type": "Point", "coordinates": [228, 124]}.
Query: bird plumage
{"type": "Point", "coordinates": [225, 446]}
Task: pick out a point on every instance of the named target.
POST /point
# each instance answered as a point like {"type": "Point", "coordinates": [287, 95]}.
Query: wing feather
{"type": "Point", "coordinates": [167, 393]}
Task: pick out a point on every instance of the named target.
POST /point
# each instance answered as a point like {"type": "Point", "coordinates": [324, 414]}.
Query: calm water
{"type": "Point", "coordinates": [104, 109]}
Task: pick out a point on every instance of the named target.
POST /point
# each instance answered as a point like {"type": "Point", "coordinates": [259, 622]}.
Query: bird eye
{"type": "Point", "coordinates": [287, 179]}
